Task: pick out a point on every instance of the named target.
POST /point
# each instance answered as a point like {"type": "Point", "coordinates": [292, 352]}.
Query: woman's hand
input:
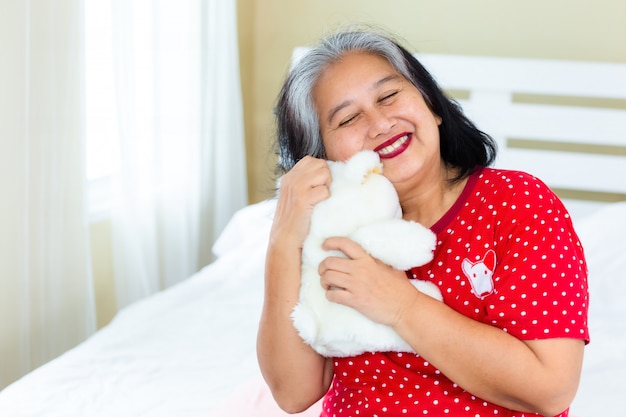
{"type": "Point", "coordinates": [305, 185]}
{"type": "Point", "coordinates": [360, 281]}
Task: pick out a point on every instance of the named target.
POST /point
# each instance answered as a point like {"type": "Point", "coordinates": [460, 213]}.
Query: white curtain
{"type": "Point", "coordinates": [46, 294]}
{"type": "Point", "coordinates": [180, 137]}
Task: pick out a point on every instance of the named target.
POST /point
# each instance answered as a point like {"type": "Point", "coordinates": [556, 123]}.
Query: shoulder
{"type": "Point", "coordinates": [516, 185]}
{"type": "Point", "coordinates": [517, 195]}
{"type": "Point", "coordinates": [509, 178]}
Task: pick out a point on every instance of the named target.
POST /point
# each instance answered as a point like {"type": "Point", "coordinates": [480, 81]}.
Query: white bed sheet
{"type": "Point", "coordinates": [178, 353]}
{"type": "Point", "coordinates": [183, 351]}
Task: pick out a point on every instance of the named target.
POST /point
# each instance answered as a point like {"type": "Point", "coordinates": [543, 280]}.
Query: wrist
{"type": "Point", "coordinates": [406, 306]}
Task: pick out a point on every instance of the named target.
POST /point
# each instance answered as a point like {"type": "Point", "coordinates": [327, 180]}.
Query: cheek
{"type": "Point", "coordinates": [341, 146]}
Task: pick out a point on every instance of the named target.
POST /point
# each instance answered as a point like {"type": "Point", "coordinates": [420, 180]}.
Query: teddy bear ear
{"type": "Point", "coordinates": [362, 164]}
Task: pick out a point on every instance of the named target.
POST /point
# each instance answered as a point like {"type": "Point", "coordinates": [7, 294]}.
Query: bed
{"type": "Point", "coordinates": [190, 350]}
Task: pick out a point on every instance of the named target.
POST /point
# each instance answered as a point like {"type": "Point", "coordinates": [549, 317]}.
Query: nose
{"type": "Point", "coordinates": [381, 123]}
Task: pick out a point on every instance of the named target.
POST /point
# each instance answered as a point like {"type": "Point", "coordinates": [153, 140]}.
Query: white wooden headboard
{"type": "Point", "coordinates": [562, 121]}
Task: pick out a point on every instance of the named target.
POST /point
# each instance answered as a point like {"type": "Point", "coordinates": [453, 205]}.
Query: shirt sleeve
{"type": "Point", "coordinates": [541, 273]}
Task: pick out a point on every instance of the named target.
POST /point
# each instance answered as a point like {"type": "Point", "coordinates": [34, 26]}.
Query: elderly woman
{"type": "Point", "coordinates": [508, 339]}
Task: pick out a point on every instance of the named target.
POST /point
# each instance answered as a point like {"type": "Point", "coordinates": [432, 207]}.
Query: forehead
{"type": "Point", "coordinates": [355, 73]}
{"type": "Point", "coordinates": [355, 65]}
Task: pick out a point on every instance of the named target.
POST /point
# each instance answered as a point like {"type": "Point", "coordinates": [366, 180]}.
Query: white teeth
{"type": "Point", "coordinates": [388, 149]}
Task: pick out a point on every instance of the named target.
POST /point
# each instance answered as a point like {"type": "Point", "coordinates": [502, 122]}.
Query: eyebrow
{"type": "Point", "coordinates": [346, 103]}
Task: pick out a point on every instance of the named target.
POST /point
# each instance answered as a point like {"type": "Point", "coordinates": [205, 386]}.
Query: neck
{"type": "Point", "coordinates": [427, 203]}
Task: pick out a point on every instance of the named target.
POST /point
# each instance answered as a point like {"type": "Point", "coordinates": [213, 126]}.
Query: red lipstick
{"type": "Point", "coordinates": [394, 146]}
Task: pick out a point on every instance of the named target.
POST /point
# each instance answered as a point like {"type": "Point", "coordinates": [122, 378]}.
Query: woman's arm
{"type": "Point", "coordinates": [295, 373]}
{"type": "Point", "coordinates": [539, 376]}
{"type": "Point", "coordinates": [534, 376]}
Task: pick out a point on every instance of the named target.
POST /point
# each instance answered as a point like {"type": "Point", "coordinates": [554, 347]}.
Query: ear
{"type": "Point", "coordinates": [362, 164]}
{"type": "Point", "coordinates": [490, 260]}
{"type": "Point", "coordinates": [467, 267]}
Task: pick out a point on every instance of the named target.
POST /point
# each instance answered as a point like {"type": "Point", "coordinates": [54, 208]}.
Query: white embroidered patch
{"type": "Point", "coordinates": [480, 274]}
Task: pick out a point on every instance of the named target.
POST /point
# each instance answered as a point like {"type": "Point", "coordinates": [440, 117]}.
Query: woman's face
{"type": "Point", "coordinates": [364, 103]}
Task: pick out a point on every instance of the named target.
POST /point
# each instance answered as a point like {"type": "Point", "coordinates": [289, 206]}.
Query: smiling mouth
{"type": "Point", "coordinates": [397, 146]}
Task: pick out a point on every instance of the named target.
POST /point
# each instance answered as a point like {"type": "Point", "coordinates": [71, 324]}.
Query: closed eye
{"type": "Point", "coordinates": [347, 120]}
{"type": "Point", "coordinates": [388, 97]}
{"type": "Point", "coordinates": [385, 99]}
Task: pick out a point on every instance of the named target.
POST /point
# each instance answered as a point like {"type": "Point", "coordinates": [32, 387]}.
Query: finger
{"type": "Point", "coordinates": [334, 281]}
{"type": "Point", "coordinates": [332, 264]}
{"type": "Point", "coordinates": [314, 171]}
{"type": "Point", "coordinates": [340, 297]}
{"type": "Point", "coordinates": [346, 246]}
{"type": "Point", "coordinates": [319, 193]}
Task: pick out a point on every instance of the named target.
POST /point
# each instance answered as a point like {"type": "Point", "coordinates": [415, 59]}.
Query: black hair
{"type": "Point", "coordinates": [462, 145]}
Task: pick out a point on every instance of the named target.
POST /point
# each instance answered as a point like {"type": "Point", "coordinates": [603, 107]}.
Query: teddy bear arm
{"type": "Point", "coordinates": [396, 242]}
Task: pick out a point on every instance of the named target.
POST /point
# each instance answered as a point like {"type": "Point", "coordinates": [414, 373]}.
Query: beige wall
{"type": "Point", "coordinates": [270, 29]}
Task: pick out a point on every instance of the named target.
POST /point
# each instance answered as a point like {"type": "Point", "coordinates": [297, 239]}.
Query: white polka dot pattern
{"type": "Point", "coordinates": [534, 288]}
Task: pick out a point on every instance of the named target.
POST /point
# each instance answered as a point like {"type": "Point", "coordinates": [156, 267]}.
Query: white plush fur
{"type": "Point", "coordinates": [364, 207]}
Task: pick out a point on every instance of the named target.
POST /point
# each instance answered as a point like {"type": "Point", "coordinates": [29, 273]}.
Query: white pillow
{"type": "Point", "coordinates": [248, 225]}
{"type": "Point", "coordinates": [603, 236]}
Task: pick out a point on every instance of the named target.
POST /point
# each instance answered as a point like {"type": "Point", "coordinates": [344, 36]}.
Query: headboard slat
{"type": "Point", "coordinates": [570, 170]}
{"type": "Point", "coordinates": [533, 76]}
{"type": "Point", "coordinates": [558, 123]}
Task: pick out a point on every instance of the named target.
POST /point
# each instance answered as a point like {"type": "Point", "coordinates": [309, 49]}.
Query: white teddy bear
{"type": "Point", "coordinates": [363, 206]}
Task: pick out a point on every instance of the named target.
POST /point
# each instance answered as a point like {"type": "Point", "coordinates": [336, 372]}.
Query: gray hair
{"type": "Point", "coordinates": [298, 121]}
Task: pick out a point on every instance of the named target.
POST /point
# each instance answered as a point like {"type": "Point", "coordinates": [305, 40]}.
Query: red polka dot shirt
{"type": "Point", "coordinates": [506, 255]}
